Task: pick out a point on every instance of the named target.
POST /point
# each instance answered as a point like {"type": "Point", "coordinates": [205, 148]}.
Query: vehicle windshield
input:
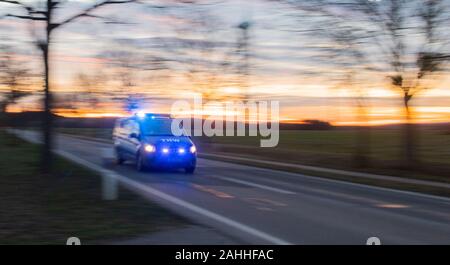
{"type": "Point", "coordinates": [157, 127]}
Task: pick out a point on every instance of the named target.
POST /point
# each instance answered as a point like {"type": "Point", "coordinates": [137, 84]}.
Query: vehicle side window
{"type": "Point", "coordinates": [132, 126]}
{"type": "Point", "coordinates": [135, 127]}
{"type": "Point", "coordinates": [119, 127]}
{"type": "Point", "coordinates": [128, 126]}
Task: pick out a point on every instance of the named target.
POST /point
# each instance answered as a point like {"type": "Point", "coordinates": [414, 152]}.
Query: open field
{"type": "Point", "coordinates": [47, 209]}
{"type": "Point", "coordinates": [335, 149]}
{"type": "Point", "coordinates": [434, 145]}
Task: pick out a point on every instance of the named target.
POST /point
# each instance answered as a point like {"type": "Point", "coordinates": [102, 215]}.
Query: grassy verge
{"type": "Point", "coordinates": [47, 209]}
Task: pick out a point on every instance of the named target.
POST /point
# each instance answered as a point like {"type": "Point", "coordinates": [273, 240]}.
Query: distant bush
{"type": "Point", "coordinates": [307, 125]}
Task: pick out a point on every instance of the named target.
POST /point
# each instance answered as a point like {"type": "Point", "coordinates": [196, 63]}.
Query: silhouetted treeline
{"type": "Point", "coordinates": [34, 118]}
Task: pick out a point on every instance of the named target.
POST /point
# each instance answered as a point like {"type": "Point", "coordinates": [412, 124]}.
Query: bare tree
{"type": "Point", "coordinates": [243, 50]}
{"type": "Point", "coordinates": [124, 68]}
{"type": "Point", "coordinates": [201, 52]}
{"type": "Point", "coordinates": [340, 43]}
{"type": "Point", "coordinates": [406, 41]}
{"type": "Point", "coordinates": [46, 15]}
{"type": "Point", "coordinates": [347, 56]}
{"type": "Point", "coordinates": [91, 88]}
{"type": "Point", "coordinates": [14, 76]}
{"type": "Point", "coordinates": [412, 69]}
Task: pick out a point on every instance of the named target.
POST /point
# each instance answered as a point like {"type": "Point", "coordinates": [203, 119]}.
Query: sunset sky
{"type": "Point", "coordinates": [162, 45]}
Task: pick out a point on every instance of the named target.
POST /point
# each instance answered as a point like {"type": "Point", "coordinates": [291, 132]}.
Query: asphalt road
{"type": "Point", "coordinates": [291, 208]}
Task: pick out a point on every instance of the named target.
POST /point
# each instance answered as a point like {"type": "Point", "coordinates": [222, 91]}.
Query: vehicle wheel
{"type": "Point", "coordinates": [140, 164]}
{"type": "Point", "coordinates": [118, 159]}
{"type": "Point", "coordinates": [189, 170]}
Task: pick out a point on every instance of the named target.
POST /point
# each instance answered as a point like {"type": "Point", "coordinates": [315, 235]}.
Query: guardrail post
{"type": "Point", "coordinates": [110, 187]}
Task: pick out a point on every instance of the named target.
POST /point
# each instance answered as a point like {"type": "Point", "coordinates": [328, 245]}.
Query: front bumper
{"type": "Point", "coordinates": [170, 160]}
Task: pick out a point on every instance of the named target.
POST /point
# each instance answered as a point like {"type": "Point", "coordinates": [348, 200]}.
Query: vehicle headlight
{"type": "Point", "coordinates": [149, 148]}
{"type": "Point", "coordinates": [193, 149]}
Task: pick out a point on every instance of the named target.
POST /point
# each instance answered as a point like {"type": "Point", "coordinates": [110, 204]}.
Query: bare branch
{"type": "Point", "coordinates": [29, 9]}
{"type": "Point", "coordinates": [87, 12]}
{"type": "Point", "coordinates": [24, 17]}
{"type": "Point", "coordinates": [15, 3]}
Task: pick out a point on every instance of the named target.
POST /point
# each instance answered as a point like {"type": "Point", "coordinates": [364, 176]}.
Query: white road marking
{"type": "Point", "coordinates": [212, 191]}
{"type": "Point", "coordinates": [393, 206]}
{"type": "Point", "coordinates": [144, 188]}
{"type": "Point", "coordinates": [256, 185]}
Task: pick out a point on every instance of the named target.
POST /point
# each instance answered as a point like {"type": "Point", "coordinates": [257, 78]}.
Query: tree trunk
{"type": "Point", "coordinates": [409, 136]}
{"type": "Point", "coordinates": [3, 106]}
{"type": "Point", "coordinates": [3, 115]}
{"type": "Point", "coordinates": [48, 118]}
{"type": "Point", "coordinates": [362, 149]}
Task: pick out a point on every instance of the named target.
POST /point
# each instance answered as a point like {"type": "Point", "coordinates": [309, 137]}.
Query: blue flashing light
{"type": "Point", "coordinates": [140, 114]}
